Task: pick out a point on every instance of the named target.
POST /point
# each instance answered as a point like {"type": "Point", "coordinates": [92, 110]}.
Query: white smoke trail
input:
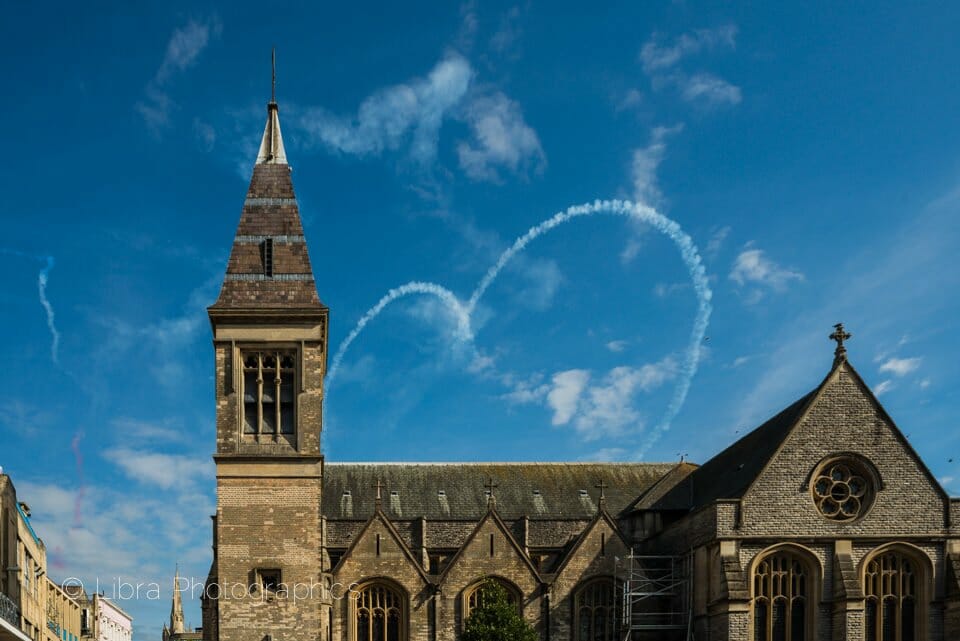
{"type": "Point", "coordinates": [42, 287]}
{"type": "Point", "coordinates": [691, 258]}
{"type": "Point", "coordinates": [644, 213]}
{"type": "Point", "coordinates": [464, 333]}
{"type": "Point", "coordinates": [42, 280]}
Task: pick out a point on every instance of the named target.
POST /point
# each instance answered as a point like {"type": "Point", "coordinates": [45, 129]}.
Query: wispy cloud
{"type": "Point", "coordinates": [501, 138]}
{"type": "Point", "coordinates": [709, 89]}
{"type": "Point", "coordinates": [162, 470]}
{"type": "Point", "coordinates": [717, 238]}
{"type": "Point", "coordinates": [661, 61]}
{"type": "Point", "coordinates": [900, 367]}
{"type": "Point", "coordinates": [183, 49]}
{"type": "Point", "coordinates": [617, 346]}
{"type": "Point", "coordinates": [505, 38]}
{"type": "Point", "coordinates": [595, 407]}
{"type": "Point", "coordinates": [408, 113]}
{"type": "Point", "coordinates": [409, 117]}
{"type": "Point", "coordinates": [646, 161]}
{"type": "Point", "coordinates": [883, 387]}
{"type": "Point", "coordinates": [657, 55]}
{"type": "Point", "coordinates": [753, 267]}
{"type": "Point", "coordinates": [646, 187]}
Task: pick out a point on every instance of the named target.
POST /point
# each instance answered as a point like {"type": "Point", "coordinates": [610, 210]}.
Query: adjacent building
{"type": "Point", "coordinates": [821, 524]}
{"type": "Point", "coordinates": [33, 607]}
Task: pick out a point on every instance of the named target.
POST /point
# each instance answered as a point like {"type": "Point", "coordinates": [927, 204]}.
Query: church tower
{"type": "Point", "coordinates": [270, 344]}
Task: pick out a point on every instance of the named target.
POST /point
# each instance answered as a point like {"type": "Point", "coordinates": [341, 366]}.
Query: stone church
{"type": "Point", "coordinates": [822, 523]}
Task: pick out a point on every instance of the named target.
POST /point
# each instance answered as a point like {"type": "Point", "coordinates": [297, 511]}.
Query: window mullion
{"type": "Point", "coordinates": [259, 394]}
{"type": "Point", "coordinates": [278, 401]}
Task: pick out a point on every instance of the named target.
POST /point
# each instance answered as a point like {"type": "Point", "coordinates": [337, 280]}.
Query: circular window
{"type": "Point", "coordinates": [842, 489]}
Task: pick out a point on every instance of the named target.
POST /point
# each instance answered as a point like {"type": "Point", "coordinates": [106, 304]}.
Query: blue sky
{"type": "Point", "coordinates": [811, 154]}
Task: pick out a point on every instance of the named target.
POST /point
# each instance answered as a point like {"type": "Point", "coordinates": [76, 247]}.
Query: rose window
{"type": "Point", "coordinates": [841, 490]}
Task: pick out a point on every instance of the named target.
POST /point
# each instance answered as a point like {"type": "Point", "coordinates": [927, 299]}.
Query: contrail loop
{"type": "Point", "coordinates": [643, 213]}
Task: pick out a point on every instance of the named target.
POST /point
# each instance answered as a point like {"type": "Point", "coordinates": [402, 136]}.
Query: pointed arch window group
{"type": "Point", "coordinates": [784, 584]}
{"type": "Point", "coordinates": [595, 611]}
{"type": "Point", "coordinates": [379, 613]}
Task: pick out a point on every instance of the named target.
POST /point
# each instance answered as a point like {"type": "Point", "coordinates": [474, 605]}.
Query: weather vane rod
{"type": "Point", "coordinates": [273, 78]}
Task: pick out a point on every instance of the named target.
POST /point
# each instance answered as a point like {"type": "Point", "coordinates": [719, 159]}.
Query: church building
{"type": "Point", "coordinates": [821, 524]}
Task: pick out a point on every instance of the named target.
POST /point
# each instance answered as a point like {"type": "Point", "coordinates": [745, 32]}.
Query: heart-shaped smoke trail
{"type": "Point", "coordinates": [463, 312]}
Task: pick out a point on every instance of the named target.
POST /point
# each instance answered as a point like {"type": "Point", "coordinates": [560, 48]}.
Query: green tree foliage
{"type": "Point", "coordinates": [495, 618]}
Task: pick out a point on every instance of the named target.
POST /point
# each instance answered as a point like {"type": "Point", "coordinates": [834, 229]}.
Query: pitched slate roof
{"type": "Point", "coordinates": [728, 474]}
{"type": "Point", "coordinates": [455, 491]}
{"type": "Point", "coordinates": [270, 212]}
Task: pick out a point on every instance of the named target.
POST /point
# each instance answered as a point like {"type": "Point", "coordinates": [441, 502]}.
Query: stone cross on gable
{"type": "Point", "coordinates": [490, 487]}
{"type": "Point", "coordinates": [840, 335]}
{"type": "Point", "coordinates": [378, 486]}
{"type": "Point", "coordinates": [602, 486]}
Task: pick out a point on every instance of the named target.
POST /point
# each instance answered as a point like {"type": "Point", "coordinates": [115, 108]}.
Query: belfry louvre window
{"type": "Point", "coordinates": [890, 610]}
{"type": "Point", "coordinates": [780, 609]}
{"type": "Point", "coordinates": [268, 392]}
{"type": "Point", "coordinates": [379, 614]}
{"type": "Point", "coordinates": [595, 611]}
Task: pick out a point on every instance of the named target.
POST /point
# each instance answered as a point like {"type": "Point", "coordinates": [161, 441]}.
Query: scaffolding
{"type": "Point", "coordinates": [657, 598]}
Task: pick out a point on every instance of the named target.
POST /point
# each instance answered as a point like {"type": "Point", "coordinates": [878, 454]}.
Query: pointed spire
{"type": "Point", "coordinates": [269, 269]}
{"type": "Point", "coordinates": [176, 609]}
{"type": "Point", "coordinates": [271, 147]}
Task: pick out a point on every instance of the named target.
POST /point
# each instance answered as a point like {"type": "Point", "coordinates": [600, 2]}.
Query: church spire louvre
{"type": "Point", "coordinates": [271, 146]}
{"type": "Point", "coordinates": [176, 609]}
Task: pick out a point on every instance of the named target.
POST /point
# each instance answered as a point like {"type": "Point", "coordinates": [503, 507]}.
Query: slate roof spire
{"type": "Point", "coordinates": [269, 269]}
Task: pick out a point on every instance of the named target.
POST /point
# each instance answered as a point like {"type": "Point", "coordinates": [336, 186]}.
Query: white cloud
{"type": "Point", "coordinates": [410, 116]}
{"type": "Point", "coordinates": [508, 34]}
{"type": "Point", "coordinates": [740, 361]}
{"type": "Point", "coordinates": [162, 470]}
{"type": "Point", "coordinates": [544, 278]}
{"type": "Point", "coordinates": [410, 112]}
{"type": "Point", "coordinates": [134, 429]}
{"type": "Point", "coordinates": [717, 239]}
{"type": "Point", "coordinates": [564, 396]}
{"type": "Point", "coordinates": [753, 267]}
{"type": "Point", "coordinates": [617, 346]}
{"type": "Point", "coordinates": [608, 409]}
{"type": "Point", "coordinates": [900, 366]}
{"type": "Point", "coordinates": [594, 410]}
{"type": "Point", "coordinates": [183, 49]}
{"type": "Point", "coordinates": [632, 99]}
{"type": "Point", "coordinates": [660, 61]}
{"type": "Point", "coordinates": [883, 387]}
{"type": "Point", "coordinates": [710, 90]}
{"type": "Point", "coordinates": [657, 56]}
{"type": "Point", "coordinates": [646, 161]}
{"type": "Point", "coordinates": [646, 189]}
{"type": "Point", "coordinates": [605, 454]}
{"type": "Point", "coordinates": [501, 138]}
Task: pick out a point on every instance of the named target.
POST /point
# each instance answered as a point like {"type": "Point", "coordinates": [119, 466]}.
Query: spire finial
{"type": "Point", "coordinates": [273, 76]}
{"type": "Point", "coordinates": [840, 335]}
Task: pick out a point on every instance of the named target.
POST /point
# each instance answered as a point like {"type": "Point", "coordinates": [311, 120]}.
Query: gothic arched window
{"type": "Point", "coordinates": [379, 614]}
{"type": "Point", "coordinates": [473, 596]}
{"type": "Point", "coordinates": [595, 611]}
{"type": "Point", "coordinates": [890, 585]}
{"type": "Point", "coordinates": [781, 598]}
